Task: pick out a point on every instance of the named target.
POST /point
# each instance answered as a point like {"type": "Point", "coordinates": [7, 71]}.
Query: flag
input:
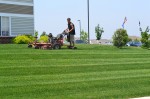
{"type": "Point", "coordinates": [125, 20]}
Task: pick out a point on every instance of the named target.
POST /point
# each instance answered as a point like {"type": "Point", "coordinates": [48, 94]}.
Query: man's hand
{"type": "Point", "coordinates": [66, 31]}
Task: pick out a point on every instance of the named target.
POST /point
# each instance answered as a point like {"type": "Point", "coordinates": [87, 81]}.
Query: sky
{"type": "Point", "coordinates": [51, 15]}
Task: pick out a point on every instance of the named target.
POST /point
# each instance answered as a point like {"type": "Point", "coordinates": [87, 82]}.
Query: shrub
{"type": "Point", "coordinates": [23, 39]}
{"type": "Point", "coordinates": [120, 38]}
{"type": "Point", "coordinates": [31, 37]}
{"type": "Point", "coordinates": [44, 39]}
{"type": "Point", "coordinates": [145, 40]}
{"type": "Point", "coordinates": [84, 36]}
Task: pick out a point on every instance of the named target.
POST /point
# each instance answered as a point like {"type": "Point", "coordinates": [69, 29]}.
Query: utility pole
{"type": "Point", "coordinates": [80, 27]}
{"type": "Point", "coordinates": [88, 9]}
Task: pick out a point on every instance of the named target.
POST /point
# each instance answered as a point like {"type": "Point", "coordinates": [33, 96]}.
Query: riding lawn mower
{"type": "Point", "coordinates": [53, 42]}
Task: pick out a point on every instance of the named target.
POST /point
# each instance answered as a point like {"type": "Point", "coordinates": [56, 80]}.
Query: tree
{"type": "Point", "coordinates": [145, 38]}
{"type": "Point", "coordinates": [120, 38]}
{"type": "Point", "coordinates": [84, 36]}
{"type": "Point", "coordinates": [99, 31]}
{"type": "Point", "coordinates": [43, 34]}
{"type": "Point", "coordinates": [36, 34]}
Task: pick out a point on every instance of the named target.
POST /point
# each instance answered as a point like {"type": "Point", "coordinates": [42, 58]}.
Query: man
{"type": "Point", "coordinates": [71, 31]}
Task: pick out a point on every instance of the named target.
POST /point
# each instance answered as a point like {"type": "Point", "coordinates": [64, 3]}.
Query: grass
{"type": "Point", "coordinates": [91, 72]}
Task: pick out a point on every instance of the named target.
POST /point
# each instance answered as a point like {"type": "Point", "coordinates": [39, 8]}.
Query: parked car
{"type": "Point", "coordinates": [80, 42]}
{"type": "Point", "coordinates": [133, 43]}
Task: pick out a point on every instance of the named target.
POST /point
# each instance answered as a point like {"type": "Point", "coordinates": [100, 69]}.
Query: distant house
{"type": "Point", "coordinates": [77, 38]}
{"type": "Point", "coordinates": [102, 42]}
{"type": "Point", "coordinates": [16, 17]}
{"type": "Point", "coordinates": [133, 38]}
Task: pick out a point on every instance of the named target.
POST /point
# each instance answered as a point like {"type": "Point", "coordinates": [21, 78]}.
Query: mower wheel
{"type": "Point", "coordinates": [57, 46]}
{"type": "Point", "coordinates": [36, 47]}
{"type": "Point", "coordinates": [29, 46]}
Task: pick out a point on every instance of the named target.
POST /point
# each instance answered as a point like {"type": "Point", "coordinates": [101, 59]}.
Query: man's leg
{"type": "Point", "coordinates": [70, 43]}
{"type": "Point", "coordinates": [71, 40]}
{"type": "Point", "coordinates": [73, 44]}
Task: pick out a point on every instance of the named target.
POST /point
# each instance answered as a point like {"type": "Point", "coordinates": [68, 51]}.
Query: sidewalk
{"type": "Point", "coordinates": [142, 98]}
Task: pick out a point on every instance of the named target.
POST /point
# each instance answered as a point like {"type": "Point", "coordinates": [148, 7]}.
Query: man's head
{"type": "Point", "coordinates": [68, 20]}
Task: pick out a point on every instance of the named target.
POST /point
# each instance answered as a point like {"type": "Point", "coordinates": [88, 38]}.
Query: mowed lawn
{"type": "Point", "coordinates": [91, 72]}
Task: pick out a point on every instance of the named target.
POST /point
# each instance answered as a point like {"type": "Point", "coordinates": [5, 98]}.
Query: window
{"type": "Point", "coordinates": [0, 26]}
{"type": "Point", "coordinates": [5, 26]}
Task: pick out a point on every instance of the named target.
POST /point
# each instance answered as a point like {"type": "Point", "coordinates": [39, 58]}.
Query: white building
{"type": "Point", "coordinates": [16, 17]}
{"type": "Point", "coordinates": [102, 42]}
